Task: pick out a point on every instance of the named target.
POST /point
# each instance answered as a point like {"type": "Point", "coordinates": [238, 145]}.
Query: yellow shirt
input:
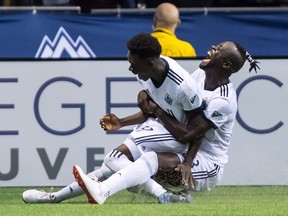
{"type": "Point", "coordinates": [171, 45]}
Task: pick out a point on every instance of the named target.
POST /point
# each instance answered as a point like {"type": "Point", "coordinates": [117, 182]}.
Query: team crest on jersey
{"type": "Point", "coordinates": [64, 46]}
{"type": "Point", "coordinates": [192, 100]}
{"type": "Point", "coordinates": [168, 99]}
{"type": "Point", "coordinates": [216, 114]}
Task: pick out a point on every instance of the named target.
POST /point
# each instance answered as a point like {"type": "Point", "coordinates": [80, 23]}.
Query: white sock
{"type": "Point", "coordinates": [101, 174]}
{"type": "Point", "coordinates": [70, 191]}
{"type": "Point", "coordinates": [154, 188]}
{"type": "Point", "coordinates": [73, 190]}
{"type": "Point", "coordinates": [116, 160]}
{"type": "Point", "coordinates": [134, 174]}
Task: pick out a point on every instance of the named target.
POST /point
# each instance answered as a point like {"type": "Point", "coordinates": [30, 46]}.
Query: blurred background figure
{"type": "Point", "coordinates": [128, 3]}
{"type": "Point", "coordinates": [5, 3]}
{"type": "Point", "coordinates": [16, 2]}
{"type": "Point", "coordinates": [246, 3]}
{"type": "Point", "coordinates": [166, 20]}
{"type": "Point", "coordinates": [55, 2]}
{"type": "Point", "coordinates": [87, 5]}
{"type": "Point", "coordinates": [155, 3]}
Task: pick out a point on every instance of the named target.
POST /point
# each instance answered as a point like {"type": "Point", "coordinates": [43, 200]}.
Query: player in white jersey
{"type": "Point", "coordinates": [177, 96]}
{"type": "Point", "coordinates": [172, 88]}
{"type": "Point", "coordinates": [218, 116]}
{"type": "Point", "coordinates": [207, 158]}
{"type": "Point", "coordinates": [220, 111]}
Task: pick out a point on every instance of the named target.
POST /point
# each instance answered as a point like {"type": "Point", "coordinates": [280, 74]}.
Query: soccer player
{"type": "Point", "coordinates": [216, 122]}
{"type": "Point", "coordinates": [172, 88]}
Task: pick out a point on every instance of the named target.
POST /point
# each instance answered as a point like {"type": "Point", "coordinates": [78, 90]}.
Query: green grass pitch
{"type": "Point", "coordinates": [223, 200]}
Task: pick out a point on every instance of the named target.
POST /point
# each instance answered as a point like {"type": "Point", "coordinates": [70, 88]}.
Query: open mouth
{"type": "Point", "coordinates": [208, 57]}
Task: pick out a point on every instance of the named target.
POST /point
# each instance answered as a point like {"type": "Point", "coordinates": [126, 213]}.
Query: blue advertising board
{"type": "Point", "coordinates": [64, 35]}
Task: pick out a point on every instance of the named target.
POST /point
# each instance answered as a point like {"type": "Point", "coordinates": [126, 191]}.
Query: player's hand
{"type": "Point", "coordinates": [110, 122]}
{"type": "Point", "coordinates": [187, 178]}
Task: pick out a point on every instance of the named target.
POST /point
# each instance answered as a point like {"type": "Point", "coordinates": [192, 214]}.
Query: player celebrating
{"type": "Point", "coordinates": [216, 123]}
{"type": "Point", "coordinates": [172, 88]}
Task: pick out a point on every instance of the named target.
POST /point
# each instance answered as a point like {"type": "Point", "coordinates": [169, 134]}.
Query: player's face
{"type": "Point", "coordinates": [215, 56]}
{"type": "Point", "coordinates": [139, 66]}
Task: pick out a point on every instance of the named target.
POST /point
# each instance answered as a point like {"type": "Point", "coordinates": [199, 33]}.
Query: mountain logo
{"type": "Point", "coordinates": [64, 46]}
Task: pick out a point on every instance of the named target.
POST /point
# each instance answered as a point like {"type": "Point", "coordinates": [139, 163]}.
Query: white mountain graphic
{"type": "Point", "coordinates": [64, 43]}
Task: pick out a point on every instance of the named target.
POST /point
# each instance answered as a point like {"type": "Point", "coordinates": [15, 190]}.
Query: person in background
{"type": "Point", "coordinates": [5, 2]}
{"type": "Point", "coordinates": [128, 3]}
{"type": "Point", "coordinates": [165, 22]}
{"type": "Point", "coordinates": [56, 2]}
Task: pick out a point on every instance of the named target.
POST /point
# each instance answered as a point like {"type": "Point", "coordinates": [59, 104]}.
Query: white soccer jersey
{"type": "Point", "coordinates": [220, 111]}
{"type": "Point", "coordinates": [177, 94]}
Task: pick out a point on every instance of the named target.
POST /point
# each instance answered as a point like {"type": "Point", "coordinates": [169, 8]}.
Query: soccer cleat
{"type": "Point", "coordinates": [38, 196]}
{"type": "Point", "coordinates": [169, 198]}
{"type": "Point", "coordinates": [89, 186]}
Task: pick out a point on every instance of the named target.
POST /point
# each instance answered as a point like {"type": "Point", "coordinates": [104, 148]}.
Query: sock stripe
{"type": "Point", "coordinates": [115, 154]}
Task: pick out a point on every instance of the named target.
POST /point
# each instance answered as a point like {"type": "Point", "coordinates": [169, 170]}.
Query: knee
{"type": "Point", "coordinates": [168, 160]}
{"type": "Point", "coordinates": [112, 155]}
{"type": "Point", "coordinates": [151, 157]}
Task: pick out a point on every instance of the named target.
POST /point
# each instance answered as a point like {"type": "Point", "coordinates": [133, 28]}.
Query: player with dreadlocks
{"type": "Point", "coordinates": [174, 90]}
{"type": "Point", "coordinates": [208, 137]}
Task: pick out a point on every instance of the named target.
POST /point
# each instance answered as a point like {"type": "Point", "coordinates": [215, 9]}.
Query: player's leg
{"type": "Point", "coordinates": [70, 191]}
{"type": "Point", "coordinates": [113, 161]}
{"type": "Point", "coordinates": [117, 160]}
{"type": "Point", "coordinates": [136, 173]}
{"type": "Point", "coordinates": [146, 136]}
{"type": "Point", "coordinates": [153, 136]}
{"type": "Point", "coordinates": [206, 173]}
{"type": "Point", "coordinates": [73, 190]}
{"type": "Point", "coordinates": [149, 135]}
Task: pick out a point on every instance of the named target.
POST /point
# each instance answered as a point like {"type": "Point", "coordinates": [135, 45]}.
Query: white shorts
{"type": "Point", "coordinates": [205, 173]}
{"type": "Point", "coordinates": [152, 136]}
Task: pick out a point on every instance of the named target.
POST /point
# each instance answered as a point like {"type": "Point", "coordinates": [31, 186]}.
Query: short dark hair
{"type": "Point", "coordinates": [144, 45]}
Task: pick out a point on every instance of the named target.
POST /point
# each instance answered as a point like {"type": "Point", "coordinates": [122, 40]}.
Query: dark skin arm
{"type": "Point", "coordinates": [185, 167]}
{"type": "Point", "coordinates": [184, 133]}
{"type": "Point", "coordinates": [192, 133]}
{"type": "Point", "coordinates": [193, 137]}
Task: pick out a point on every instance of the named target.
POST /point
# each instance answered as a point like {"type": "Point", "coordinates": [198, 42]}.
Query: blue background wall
{"type": "Point", "coordinates": [262, 33]}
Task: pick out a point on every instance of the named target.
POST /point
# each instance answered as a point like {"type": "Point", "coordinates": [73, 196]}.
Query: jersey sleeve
{"type": "Point", "coordinates": [189, 95]}
{"type": "Point", "coordinates": [197, 74]}
{"type": "Point", "coordinates": [217, 112]}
